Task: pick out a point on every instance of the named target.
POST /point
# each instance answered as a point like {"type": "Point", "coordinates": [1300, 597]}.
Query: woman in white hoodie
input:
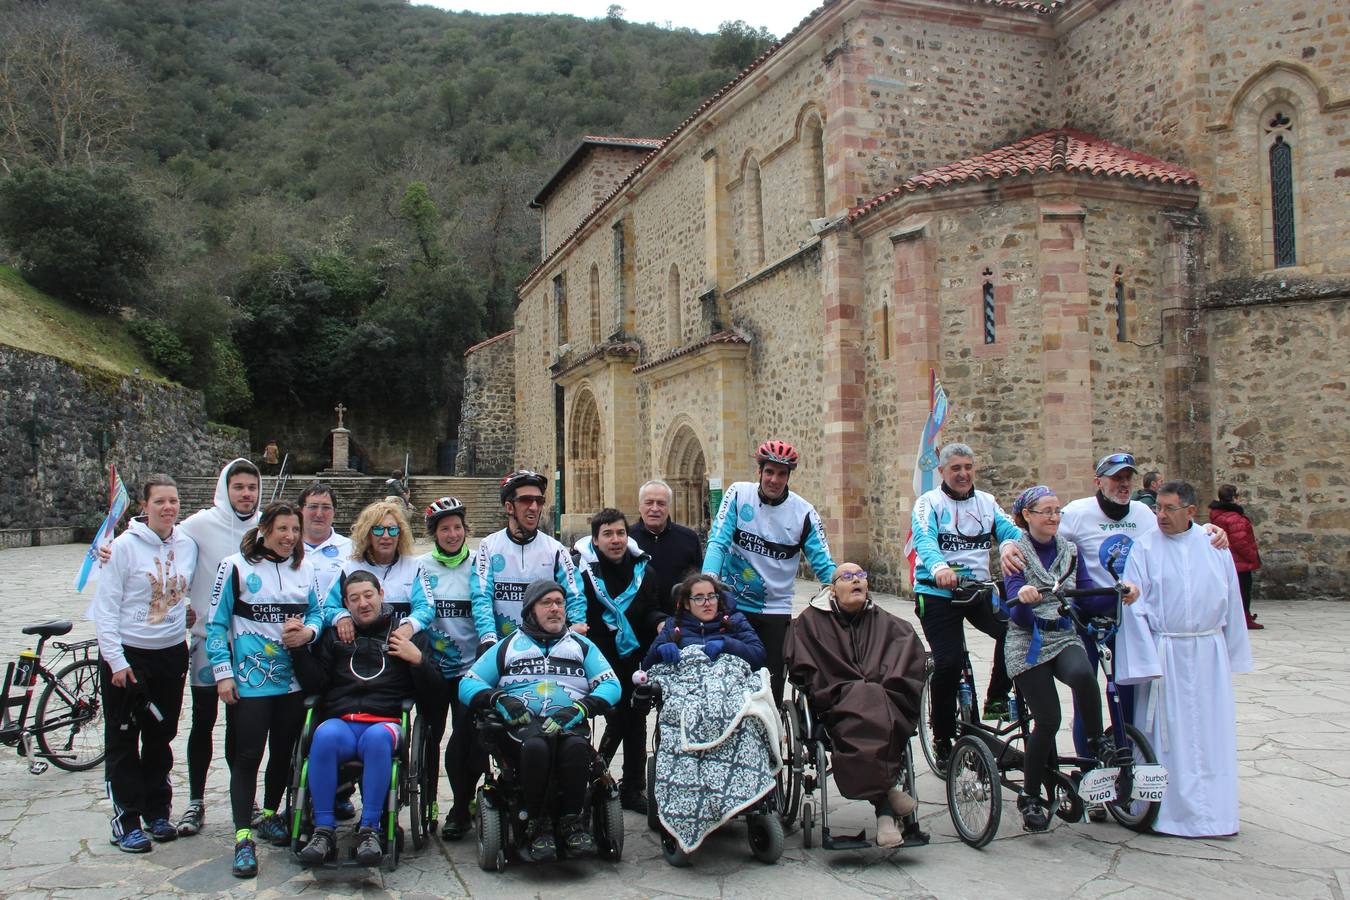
{"type": "Point", "coordinates": [140, 618]}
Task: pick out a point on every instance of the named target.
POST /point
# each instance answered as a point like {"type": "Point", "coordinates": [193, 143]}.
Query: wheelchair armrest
{"type": "Point", "coordinates": [312, 700]}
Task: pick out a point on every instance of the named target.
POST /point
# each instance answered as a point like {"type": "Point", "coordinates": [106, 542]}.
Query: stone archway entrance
{"type": "Point", "coordinates": [687, 474]}
{"type": "Point", "coordinates": [583, 449]}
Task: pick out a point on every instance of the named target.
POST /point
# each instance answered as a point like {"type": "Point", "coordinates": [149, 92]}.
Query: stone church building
{"type": "Point", "coordinates": [1106, 224]}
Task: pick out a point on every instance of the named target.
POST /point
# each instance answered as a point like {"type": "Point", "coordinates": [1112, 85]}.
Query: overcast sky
{"type": "Point", "coordinates": [779, 16]}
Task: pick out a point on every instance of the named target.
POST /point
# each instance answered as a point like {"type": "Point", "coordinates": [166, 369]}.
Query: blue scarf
{"type": "Point", "coordinates": [615, 607]}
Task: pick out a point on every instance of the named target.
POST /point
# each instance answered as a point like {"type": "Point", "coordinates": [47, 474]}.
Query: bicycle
{"type": "Point", "coordinates": [981, 757]}
{"type": "Point", "coordinates": [67, 722]}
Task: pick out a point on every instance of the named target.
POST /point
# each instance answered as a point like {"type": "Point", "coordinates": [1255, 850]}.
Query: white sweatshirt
{"type": "Point", "coordinates": [217, 533]}
{"type": "Point", "coordinates": [140, 595]}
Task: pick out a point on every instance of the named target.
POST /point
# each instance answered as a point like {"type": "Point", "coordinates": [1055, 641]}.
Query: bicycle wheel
{"type": "Point", "coordinates": [926, 725]}
{"type": "Point", "coordinates": [1137, 815]}
{"type": "Point", "coordinates": [790, 775]}
{"type": "Point", "coordinates": [69, 722]}
{"type": "Point", "coordinates": [974, 794]}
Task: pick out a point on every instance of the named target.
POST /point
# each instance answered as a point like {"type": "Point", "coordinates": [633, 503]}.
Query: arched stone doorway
{"type": "Point", "coordinates": [687, 474]}
{"type": "Point", "coordinates": [583, 495]}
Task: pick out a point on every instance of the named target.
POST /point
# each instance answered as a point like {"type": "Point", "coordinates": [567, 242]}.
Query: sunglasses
{"type": "Point", "coordinates": [382, 530]}
{"type": "Point", "coordinates": [529, 500]}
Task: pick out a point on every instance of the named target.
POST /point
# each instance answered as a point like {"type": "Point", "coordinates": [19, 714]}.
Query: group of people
{"type": "Point", "coordinates": [278, 605]}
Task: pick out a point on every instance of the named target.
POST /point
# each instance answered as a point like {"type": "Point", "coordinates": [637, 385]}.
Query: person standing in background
{"type": "Point", "coordinates": [1228, 515]}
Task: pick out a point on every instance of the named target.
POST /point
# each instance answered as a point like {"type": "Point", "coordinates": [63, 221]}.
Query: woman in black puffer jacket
{"type": "Point", "coordinates": [704, 617]}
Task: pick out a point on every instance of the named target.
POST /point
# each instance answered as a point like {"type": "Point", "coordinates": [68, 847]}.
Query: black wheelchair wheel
{"type": "Point", "coordinates": [765, 832]}
{"type": "Point", "coordinates": [808, 824]}
{"type": "Point", "coordinates": [974, 793]}
{"type": "Point", "coordinates": [608, 826]}
{"type": "Point", "coordinates": [793, 754]}
{"type": "Point", "coordinates": [1136, 815]}
{"type": "Point", "coordinates": [417, 810]}
{"type": "Point", "coordinates": [491, 855]}
{"type": "Point", "coordinates": [671, 852]}
{"type": "Point", "coordinates": [926, 726]}
{"type": "Point", "coordinates": [653, 814]}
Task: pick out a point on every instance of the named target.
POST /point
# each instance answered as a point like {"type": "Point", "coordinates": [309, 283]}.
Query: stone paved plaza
{"type": "Point", "coordinates": [1294, 740]}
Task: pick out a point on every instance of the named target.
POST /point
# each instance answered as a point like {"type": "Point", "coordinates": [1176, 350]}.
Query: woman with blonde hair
{"type": "Point", "coordinates": [382, 543]}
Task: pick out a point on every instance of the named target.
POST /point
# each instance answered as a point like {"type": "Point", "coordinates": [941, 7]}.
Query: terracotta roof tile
{"type": "Point", "coordinates": [717, 337]}
{"type": "Point", "coordinates": [492, 340]}
{"type": "Point", "coordinates": [1060, 150]}
{"type": "Point", "coordinates": [647, 143]}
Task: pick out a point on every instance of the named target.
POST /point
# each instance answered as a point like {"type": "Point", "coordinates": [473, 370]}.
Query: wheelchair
{"type": "Point", "coordinates": [501, 815]}
{"type": "Point", "coordinates": [806, 770]}
{"type": "Point", "coordinates": [413, 764]}
{"type": "Point", "coordinates": [764, 826]}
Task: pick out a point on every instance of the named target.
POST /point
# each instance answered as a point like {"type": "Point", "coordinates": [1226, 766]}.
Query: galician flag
{"type": "Point", "coordinates": [925, 464]}
{"type": "Point", "coordinates": [118, 501]}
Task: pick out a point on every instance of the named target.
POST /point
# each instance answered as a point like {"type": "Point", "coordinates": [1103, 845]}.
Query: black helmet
{"type": "Point", "coordinates": [442, 507]}
{"type": "Point", "coordinates": [519, 478]}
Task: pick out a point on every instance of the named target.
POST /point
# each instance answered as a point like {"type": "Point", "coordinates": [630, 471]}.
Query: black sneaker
{"type": "Point", "coordinates": [320, 847]}
{"type": "Point", "coordinates": [539, 843]}
{"type": "Point", "coordinates": [368, 849]}
{"type": "Point", "coordinates": [245, 859]}
{"type": "Point", "coordinates": [942, 754]}
{"type": "Point", "coordinates": [455, 827]}
{"type": "Point", "coordinates": [1034, 816]}
{"type": "Point", "coordinates": [162, 830]}
{"type": "Point", "coordinates": [192, 820]}
{"type": "Point", "coordinates": [576, 839]}
{"type": "Point", "coordinates": [634, 801]}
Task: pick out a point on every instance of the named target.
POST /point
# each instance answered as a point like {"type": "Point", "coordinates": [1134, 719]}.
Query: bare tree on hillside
{"type": "Point", "coordinates": [67, 96]}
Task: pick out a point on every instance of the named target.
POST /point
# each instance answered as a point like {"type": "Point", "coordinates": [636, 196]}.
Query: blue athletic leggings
{"type": "Point", "coordinates": [337, 741]}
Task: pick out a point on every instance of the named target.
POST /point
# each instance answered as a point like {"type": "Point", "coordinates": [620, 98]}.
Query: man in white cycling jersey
{"type": "Point", "coordinates": [760, 533]}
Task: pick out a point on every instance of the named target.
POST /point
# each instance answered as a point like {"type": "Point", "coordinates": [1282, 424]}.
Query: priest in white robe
{"type": "Point", "coordinates": [1181, 642]}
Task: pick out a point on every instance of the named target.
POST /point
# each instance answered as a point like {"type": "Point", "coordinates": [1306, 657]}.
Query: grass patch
{"type": "Point", "coordinates": [32, 320]}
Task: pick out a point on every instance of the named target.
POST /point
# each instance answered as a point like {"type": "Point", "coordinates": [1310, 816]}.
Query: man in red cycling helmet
{"type": "Point", "coordinates": [760, 533]}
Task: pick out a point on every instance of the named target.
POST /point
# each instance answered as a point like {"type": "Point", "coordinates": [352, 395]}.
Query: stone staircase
{"type": "Point", "coordinates": [479, 496]}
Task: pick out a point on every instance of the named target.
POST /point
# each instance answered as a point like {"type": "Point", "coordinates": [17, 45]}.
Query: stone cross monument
{"type": "Point", "coordinates": [341, 443]}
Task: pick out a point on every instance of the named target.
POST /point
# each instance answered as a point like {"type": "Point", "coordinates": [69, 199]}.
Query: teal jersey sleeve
{"type": "Point", "coordinates": [422, 609]}
{"type": "Point", "coordinates": [1005, 529]}
{"type": "Point", "coordinates": [604, 683]}
{"type": "Point", "coordinates": [923, 522]}
{"type": "Point", "coordinates": [817, 549]}
{"type": "Point", "coordinates": [314, 615]}
{"type": "Point", "coordinates": [218, 622]}
{"type": "Point", "coordinates": [567, 575]}
{"type": "Point", "coordinates": [481, 590]}
{"type": "Point", "coordinates": [332, 603]}
{"type": "Point", "coordinates": [719, 538]}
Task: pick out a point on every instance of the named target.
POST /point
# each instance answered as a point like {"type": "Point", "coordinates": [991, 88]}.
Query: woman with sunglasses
{"type": "Point", "coordinates": [1042, 646]}
{"type": "Point", "coordinates": [703, 618]}
{"type": "Point", "coordinates": [382, 543]}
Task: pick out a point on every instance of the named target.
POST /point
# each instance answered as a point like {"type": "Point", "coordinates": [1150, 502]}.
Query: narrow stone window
{"type": "Point", "coordinates": [988, 308]}
{"type": "Point", "coordinates": [674, 327]}
{"type": "Point", "coordinates": [885, 331]}
{"type": "Point", "coordinates": [1122, 326]}
{"type": "Point", "coordinates": [1279, 137]}
{"type": "Point", "coordinates": [560, 307]}
{"type": "Point", "coordinates": [595, 304]}
{"type": "Point", "coordinates": [625, 311]}
{"type": "Point", "coordinates": [754, 215]}
{"type": "Point", "coordinates": [813, 140]}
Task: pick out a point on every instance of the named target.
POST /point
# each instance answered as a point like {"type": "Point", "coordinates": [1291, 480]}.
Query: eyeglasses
{"type": "Point", "coordinates": [1048, 513]}
{"type": "Point", "coordinates": [382, 530]}
{"type": "Point", "coordinates": [317, 508]}
{"type": "Point", "coordinates": [851, 576]}
{"type": "Point", "coordinates": [1174, 509]}
{"type": "Point", "coordinates": [529, 499]}
{"type": "Point", "coordinates": [703, 598]}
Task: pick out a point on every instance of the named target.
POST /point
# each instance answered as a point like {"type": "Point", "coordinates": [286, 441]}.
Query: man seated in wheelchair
{"type": "Point", "coordinates": [363, 685]}
{"type": "Point", "coordinates": [862, 670]}
{"type": "Point", "coordinates": [718, 732]}
{"type": "Point", "coordinates": [546, 684]}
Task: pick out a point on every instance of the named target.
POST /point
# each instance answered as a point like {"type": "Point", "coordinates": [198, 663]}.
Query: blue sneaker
{"type": "Point", "coordinates": [245, 859]}
{"type": "Point", "coordinates": [162, 830]}
{"type": "Point", "coordinates": [274, 830]}
{"type": "Point", "coordinates": [344, 810]}
{"type": "Point", "coordinates": [133, 841]}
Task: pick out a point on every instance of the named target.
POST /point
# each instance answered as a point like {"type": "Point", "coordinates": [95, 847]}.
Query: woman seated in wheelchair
{"type": "Point", "coordinates": [862, 670]}
{"type": "Point", "coordinates": [704, 618]}
{"type": "Point", "coordinates": [1043, 646]}
{"type": "Point", "coordinates": [546, 683]}
{"type": "Point", "coordinates": [363, 685]}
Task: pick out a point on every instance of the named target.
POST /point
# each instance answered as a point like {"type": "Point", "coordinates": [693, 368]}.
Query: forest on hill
{"type": "Point", "coordinates": [298, 203]}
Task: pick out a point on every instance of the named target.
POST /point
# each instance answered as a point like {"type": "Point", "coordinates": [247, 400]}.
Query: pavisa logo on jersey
{"type": "Point", "coordinates": [1125, 525]}
{"type": "Point", "coordinates": [1109, 545]}
{"type": "Point", "coordinates": [753, 543]}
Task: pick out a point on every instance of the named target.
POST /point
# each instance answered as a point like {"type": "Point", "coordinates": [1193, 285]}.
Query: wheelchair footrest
{"type": "Point", "coordinates": [857, 841]}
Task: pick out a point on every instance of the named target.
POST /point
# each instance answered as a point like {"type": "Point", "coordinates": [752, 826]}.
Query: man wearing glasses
{"type": "Point", "coordinates": [509, 560]}
{"type": "Point", "coordinates": [324, 547]}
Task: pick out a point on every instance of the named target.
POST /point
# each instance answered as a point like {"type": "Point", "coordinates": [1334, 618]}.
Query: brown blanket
{"type": "Point", "coordinates": [865, 679]}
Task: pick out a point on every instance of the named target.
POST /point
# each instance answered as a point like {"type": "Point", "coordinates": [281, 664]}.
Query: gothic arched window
{"type": "Point", "coordinates": [1279, 139]}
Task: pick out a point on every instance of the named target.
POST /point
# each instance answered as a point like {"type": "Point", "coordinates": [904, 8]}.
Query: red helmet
{"type": "Point", "coordinates": [779, 452]}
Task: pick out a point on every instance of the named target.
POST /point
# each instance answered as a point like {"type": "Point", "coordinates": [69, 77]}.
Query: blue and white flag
{"type": "Point", "coordinates": [926, 463]}
{"type": "Point", "coordinates": [118, 501]}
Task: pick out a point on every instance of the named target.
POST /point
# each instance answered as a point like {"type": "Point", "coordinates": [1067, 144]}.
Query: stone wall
{"type": "Point", "coordinates": [487, 423]}
{"type": "Point", "coordinates": [62, 425]}
{"type": "Point", "coordinates": [597, 174]}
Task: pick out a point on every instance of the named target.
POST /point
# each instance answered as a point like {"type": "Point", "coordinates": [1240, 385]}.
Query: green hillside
{"type": "Point", "coordinates": [31, 320]}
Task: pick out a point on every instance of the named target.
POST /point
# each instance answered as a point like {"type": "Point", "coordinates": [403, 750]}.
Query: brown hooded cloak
{"type": "Point", "coordinates": [865, 679]}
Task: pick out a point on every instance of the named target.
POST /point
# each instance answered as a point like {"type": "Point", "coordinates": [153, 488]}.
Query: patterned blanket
{"type": "Point", "coordinates": [719, 736]}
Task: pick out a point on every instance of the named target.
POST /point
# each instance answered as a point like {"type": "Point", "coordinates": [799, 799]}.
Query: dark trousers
{"type": "Point", "coordinates": [772, 630]}
{"type": "Point", "coordinates": [257, 722]}
{"type": "Point", "coordinates": [629, 729]}
{"type": "Point", "coordinates": [139, 752]}
{"type": "Point", "coordinates": [201, 739]}
{"type": "Point", "coordinates": [560, 764]}
{"type": "Point", "coordinates": [1245, 586]}
{"type": "Point", "coordinates": [1037, 685]}
{"type": "Point", "coordinates": [944, 629]}
{"type": "Point", "coordinates": [1124, 696]}
{"type": "Point", "coordinates": [465, 759]}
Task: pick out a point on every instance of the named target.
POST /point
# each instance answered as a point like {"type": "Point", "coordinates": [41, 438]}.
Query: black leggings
{"type": "Point", "coordinates": [1037, 685]}
{"type": "Point", "coordinates": [465, 759]}
{"type": "Point", "coordinates": [772, 631]}
{"type": "Point", "coordinates": [944, 627]}
{"type": "Point", "coordinates": [564, 764]}
{"type": "Point", "coordinates": [201, 740]}
{"type": "Point", "coordinates": [258, 722]}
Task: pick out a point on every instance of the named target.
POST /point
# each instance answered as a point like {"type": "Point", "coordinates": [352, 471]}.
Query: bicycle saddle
{"type": "Point", "coordinates": [49, 629]}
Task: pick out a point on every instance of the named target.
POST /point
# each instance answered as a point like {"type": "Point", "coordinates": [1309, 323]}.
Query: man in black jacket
{"type": "Point", "coordinates": [622, 612]}
{"type": "Point", "coordinates": [675, 550]}
{"type": "Point", "coordinates": [363, 684]}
